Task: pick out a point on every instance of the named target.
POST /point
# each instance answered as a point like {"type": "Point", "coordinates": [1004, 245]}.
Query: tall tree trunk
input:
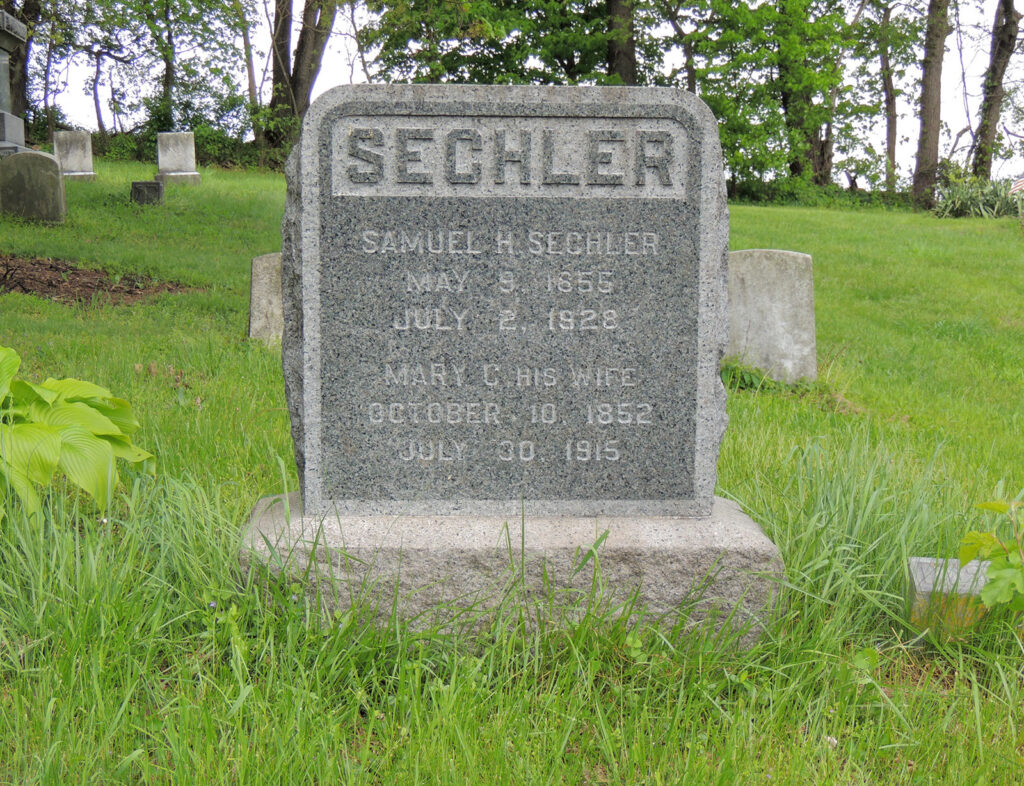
{"type": "Point", "coordinates": [1004, 40]}
{"type": "Point", "coordinates": [47, 69]}
{"type": "Point", "coordinates": [888, 100]}
{"type": "Point", "coordinates": [689, 67]}
{"type": "Point", "coordinates": [29, 13]}
{"type": "Point", "coordinates": [250, 70]}
{"type": "Point", "coordinates": [293, 79]}
{"type": "Point", "coordinates": [937, 27]}
{"type": "Point", "coordinates": [96, 93]}
{"type": "Point", "coordinates": [167, 52]}
{"type": "Point", "coordinates": [621, 41]}
{"type": "Point", "coordinates": [281, 55]}
{"type": "Point", "coordinates": [317, 22]}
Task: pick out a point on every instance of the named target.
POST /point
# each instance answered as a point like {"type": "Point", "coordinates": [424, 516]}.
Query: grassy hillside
{"type": "Point", "coordinates": [135, 649]}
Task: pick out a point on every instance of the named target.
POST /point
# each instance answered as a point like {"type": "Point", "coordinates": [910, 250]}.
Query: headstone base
{"type": "Point", "coordinates": [79, 175]}
{"type": "Point", "coordinates": [180, 178]}
{"type": "Point", "coordinates": [720, 569]}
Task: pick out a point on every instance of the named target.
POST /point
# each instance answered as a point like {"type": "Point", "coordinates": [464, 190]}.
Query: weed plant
{"type": "Point", "coordinates": [136, 648]}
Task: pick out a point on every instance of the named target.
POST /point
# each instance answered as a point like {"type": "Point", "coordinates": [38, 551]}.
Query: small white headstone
{"type": "Point", "coordinates": [176, 158]}
{"type": "Point", "coordinates": [771, 312]}
{"type": "Point", "coordinates": [73, 150]}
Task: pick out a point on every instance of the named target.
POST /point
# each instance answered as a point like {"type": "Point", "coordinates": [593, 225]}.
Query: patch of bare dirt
{"type": "Point", "coordinates": [54, 279]}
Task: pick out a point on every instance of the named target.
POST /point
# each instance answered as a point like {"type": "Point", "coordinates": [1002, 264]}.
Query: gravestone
{"type": "Point", "coordinates": [12, 129]}
{"type": "Point", "coordinates": [944, 595]}
{"type": "Point", "coordinates": [176, 158]}
{"type": "Point", "coordinates": [73, 150]}
{"type": "Point", "coordinates": [147, 192]}
{"type": "Point", "coordinates": [266, 320]}
{"type": "Point", "coordinates": [31, 187]}
{"type": "Point", "coordinates": [771, 313]}
{"type": "Point", "coordinates": [504, 311]}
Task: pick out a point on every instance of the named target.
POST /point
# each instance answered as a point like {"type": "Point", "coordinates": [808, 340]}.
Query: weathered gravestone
{"type": "Point", "coordinates": [176, 158]}
{"type": "Point", "coordinates": [73, 149]}
{"type": "Point", "coordinates": [771, 312]}
{"type": "Point", "coordinates": [147, 192]}
{"type": "Point", "coordinates": [504, 313]}
{"type": "Point", "coordinates": [12, 129]}
{"type": "Point", "coordinates": [266, 319]}
{"type": "Point", "coordinates": [944, 595]}
{"type": "Point", "coordinates": [31, 187]}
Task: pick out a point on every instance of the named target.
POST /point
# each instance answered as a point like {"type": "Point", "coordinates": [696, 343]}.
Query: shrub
{"type": "Point", "coordinates": [961, 195]}
{"type": "Point", "coordinates": [69, 425]}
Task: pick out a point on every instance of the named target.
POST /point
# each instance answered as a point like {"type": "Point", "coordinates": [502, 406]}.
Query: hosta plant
{"type": "Point", "coordinates": [61, 426]}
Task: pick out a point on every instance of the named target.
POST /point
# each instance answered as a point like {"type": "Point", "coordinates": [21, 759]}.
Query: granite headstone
{"type": "Point", "coordinates": [176, 158]}
{"type": "Point", "coordinates": [31, 187]}
{"type": "Point", "coordinates": [73, 150]}
{"type": "Point", "coordinates": [490, 302]}
{"type": "Point", "coordinates": [506, 307]}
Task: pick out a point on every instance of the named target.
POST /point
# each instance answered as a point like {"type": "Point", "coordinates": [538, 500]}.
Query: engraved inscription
{"type": "Point", "coordinates": [588, 157]}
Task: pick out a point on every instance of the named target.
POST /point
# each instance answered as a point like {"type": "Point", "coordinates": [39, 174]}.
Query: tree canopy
{"type": "Point", "coordinates": [801, 88]}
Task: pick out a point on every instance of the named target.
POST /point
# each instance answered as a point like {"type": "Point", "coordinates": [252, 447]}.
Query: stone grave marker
{"type": "Point", "coordinates": [147, 192]}
{"type": "Point", "coordinates": [771, 313]}
{"type": "Point", "coordinates": [31, 187]}
{"type": "Point", "coordinates": [73, 149]}
{"type": "Point", "coordinates": [504, 310]}
{"type": "Point", "coordinates": [266, 320]}
{"type": "Point", "coordinates": [944, 595]}
{"type": "Point", "coordinates": [176, 158]}
{"type": "Point", "coordinates": [12, 129]}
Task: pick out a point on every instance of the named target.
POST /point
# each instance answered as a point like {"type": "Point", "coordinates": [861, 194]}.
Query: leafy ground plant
{"type": "Point", "coordinates": [1005, 587]}
{"type": "Point", "coordinates": [61, 424]}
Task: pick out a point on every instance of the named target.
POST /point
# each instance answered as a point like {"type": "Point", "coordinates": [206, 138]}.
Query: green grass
{"type": "Point", "coordinates": [114, 666]}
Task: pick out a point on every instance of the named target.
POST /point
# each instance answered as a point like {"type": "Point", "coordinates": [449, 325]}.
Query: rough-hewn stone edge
{"type": "Point", "coordinates": [718, 568]}
{"type": "Point", "coordinates": [291, 307]}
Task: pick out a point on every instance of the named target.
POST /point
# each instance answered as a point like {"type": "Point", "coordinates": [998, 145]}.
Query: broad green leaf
{"type": "Point", "coordinates": [119, 412]}
{"type": "Point", "coordinates": [27, 392]}
{"type": "Point", "coordinates": [124, 449]}
{"type": "Point", "coordinates": [11, 479]}
{"type": "Point", "coordinates": [997, 592]}
{"type": "Point", "coordinates": [32, 449]}
{"type": "Point", "coordinates": [79, 414]}
{"type": "Point", "coordinates": [996, 507]}
{"type": "Point", "coordinates": [978, 545]}
{"type": "Point", "coordinates": [9, 362]}
{"type": "Point", "coordinates": [76, 389]}
{"type": "Point", "coordinates": [88, 461]}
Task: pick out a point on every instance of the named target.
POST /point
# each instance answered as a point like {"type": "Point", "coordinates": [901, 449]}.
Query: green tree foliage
{"type": "Point", "coordinates": [505, 41]}
{"type": "Point", "coordinates": [789, 80]}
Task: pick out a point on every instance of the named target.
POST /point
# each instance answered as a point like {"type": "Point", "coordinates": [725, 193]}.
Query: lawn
{"type": "Point", "coordinates": [135, 649]}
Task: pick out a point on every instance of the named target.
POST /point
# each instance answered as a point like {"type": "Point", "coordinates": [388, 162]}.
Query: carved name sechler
{"type": "Point", "coordinates": [589, 157]}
